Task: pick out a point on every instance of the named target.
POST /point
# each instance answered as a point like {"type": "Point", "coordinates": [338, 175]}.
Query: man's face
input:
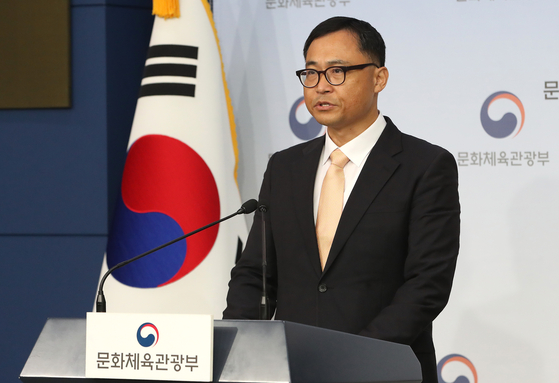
{"type": "Point", "coordinates": [352, 106]}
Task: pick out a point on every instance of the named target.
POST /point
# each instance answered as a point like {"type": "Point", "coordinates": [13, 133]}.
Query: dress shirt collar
{"type": "Point", "coordinates": [357, 149]}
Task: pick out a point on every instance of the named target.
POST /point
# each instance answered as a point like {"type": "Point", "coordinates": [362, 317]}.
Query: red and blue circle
{"type": "Point", "coordinates": [508, 123]}
{"type": "Point", "coordinates": [306, 131]}
{"type": "Point", "coordinates": [167, 190]}
{"type": "Point", "coordinates": [459, 359]}
{"type": "Point", "coordinates": [149, 340]}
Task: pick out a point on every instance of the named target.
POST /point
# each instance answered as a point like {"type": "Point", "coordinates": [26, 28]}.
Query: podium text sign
{"type": "Point", "coordinates": [163, 347]}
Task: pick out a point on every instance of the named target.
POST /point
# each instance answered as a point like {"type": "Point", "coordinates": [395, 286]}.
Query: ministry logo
{"type": "Point", "coordinates": [149, 340]}
{"type": "Point", "coordinates": [508, 124]}
{"type": "Point", "coordinates": [457, 365]}
{"type": "Point", "coordinates": [303, 131]}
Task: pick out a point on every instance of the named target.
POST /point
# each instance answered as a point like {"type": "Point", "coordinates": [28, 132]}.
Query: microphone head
{"type": "Point", "coordinates": [249, 206]}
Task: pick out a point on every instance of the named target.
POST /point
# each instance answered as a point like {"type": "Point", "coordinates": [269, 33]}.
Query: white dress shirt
{"type": "Point", "coordinates": [357, 150]}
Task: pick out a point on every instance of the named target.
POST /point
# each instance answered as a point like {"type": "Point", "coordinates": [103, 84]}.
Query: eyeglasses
{"type": "Point", "coordinates": [335, 75]}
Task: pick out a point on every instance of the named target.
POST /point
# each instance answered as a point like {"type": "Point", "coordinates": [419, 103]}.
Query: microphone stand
{"type": "Point", "coordinates": [101, 305]}
{"type": "Point", "coordinates": [264, 302]}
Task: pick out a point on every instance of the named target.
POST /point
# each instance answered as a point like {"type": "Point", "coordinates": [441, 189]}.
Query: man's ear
{"type": "Point", "coordinates": [381, 79]}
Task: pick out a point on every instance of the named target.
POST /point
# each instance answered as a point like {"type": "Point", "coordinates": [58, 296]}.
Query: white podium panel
{"type": "Point", "coordinates": [171, 347]}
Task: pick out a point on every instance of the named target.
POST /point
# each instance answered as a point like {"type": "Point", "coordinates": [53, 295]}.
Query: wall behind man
{"type": "Point", "coordinates": [60, 171]}
{"type": "Point", "coordinates": [457, 67]}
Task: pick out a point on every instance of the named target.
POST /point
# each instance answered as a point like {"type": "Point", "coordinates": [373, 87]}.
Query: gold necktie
{"type": "Point", "coordinates": [330, 204]}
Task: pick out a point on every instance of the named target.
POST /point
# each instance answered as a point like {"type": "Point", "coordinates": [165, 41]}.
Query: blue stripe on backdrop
{"type": "Point", "coordinates": [60, 172]}
{"type": "Point", "coordinates": [42, 277]}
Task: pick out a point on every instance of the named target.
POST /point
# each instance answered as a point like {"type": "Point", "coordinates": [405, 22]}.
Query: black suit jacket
{"type": "Point", "coordinates": [391, 265]}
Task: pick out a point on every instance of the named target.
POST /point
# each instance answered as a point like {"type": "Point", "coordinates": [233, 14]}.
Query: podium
{"type": "Point", "coordinates": [245, 351]}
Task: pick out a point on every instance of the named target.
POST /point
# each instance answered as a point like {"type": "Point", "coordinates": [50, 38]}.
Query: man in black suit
{"type": "Point", "coordinates": [387, 272]}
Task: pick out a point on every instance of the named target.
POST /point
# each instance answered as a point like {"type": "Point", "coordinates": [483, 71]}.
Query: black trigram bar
{"type": "Point", "coordinates": [183, 70]}
{"type": "Point", "coordinates": [185, 51]}
{"type": "Point", "coordinates": [170, 69]}
{"type": "Point", "coordinates": [167, 89]}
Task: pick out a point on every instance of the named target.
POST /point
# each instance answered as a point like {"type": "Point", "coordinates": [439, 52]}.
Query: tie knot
{"type": "Point", "coordinates": [338, 158]}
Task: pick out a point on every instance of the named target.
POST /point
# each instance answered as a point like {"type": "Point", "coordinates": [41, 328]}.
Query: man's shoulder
{"type": "Point", "coordinates": [300, 150]}
{"type": "Point", "coordinates": [415, 144]}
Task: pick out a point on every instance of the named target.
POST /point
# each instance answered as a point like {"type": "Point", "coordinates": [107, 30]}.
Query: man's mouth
{"type": "Point", "coordinates": [324, 105]}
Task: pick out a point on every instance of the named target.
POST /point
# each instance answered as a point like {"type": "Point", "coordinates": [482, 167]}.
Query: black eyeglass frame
{"type": "Point", "coordinates": [343, 68]}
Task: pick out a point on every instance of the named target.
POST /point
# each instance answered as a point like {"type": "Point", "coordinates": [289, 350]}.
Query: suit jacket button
{"type": "Point", "coordinates": [322, 288]}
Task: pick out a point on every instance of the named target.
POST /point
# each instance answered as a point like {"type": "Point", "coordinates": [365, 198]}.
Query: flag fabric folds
{"type": "Point", "coordinates": [180, 174]}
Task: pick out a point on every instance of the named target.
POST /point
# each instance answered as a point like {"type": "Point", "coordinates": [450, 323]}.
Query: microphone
{"type": "Point", "coordinates": [101, 305]}
{"type": "Point", "coordinates": [246, 208]}
{"type": "Point", "coordinates": [264, 302]}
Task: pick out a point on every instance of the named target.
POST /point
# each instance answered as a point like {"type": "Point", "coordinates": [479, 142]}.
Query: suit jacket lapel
{"type": "Point", "coordinates": [378, 169]}
{"type": "Point", "coordinates": [304, 171]}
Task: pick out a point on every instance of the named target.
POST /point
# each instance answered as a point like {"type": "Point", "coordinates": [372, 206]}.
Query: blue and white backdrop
{"type": "Point", "coordinates": [478, 77]}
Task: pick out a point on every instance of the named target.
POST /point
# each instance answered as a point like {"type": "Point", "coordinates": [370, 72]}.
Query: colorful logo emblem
{"type": "Point", "coordinates": [459, 363]}
{"type": "Point", "coordinates": [508, 124]}
{"type": "Point", "coordinates": [167, 191]}
{"type": "Point", "coordinates": [151, 339]}
{"type": "Point", "coordinates": [306, 131]}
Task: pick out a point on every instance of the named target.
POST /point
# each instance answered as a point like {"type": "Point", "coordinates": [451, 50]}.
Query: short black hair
{"type": "Point", "coordinates": [370, 41]}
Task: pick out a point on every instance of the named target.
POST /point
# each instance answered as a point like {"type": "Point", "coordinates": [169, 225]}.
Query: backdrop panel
{"type": "Point", "coordinates": [479, 78]}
